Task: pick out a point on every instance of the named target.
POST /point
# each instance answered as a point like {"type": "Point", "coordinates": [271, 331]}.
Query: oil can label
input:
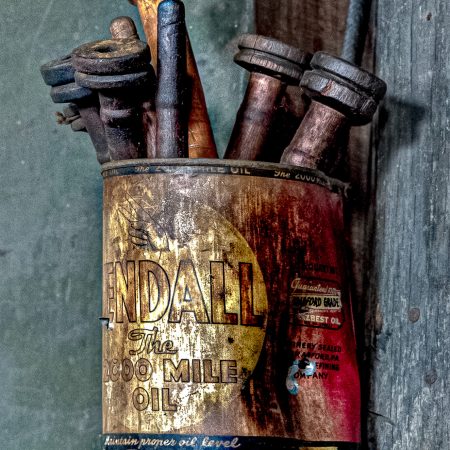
{"type": "Point", "coordinates": [186, 306]}
{"type": "Point", "coordinates": [317, 303]}
{"type": "Point", "coordinates": [222, 292]}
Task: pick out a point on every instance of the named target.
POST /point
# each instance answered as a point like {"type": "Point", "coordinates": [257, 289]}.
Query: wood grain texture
{"type": "Point", "coordinates": [312, 25]}
{"type": "Point", "coordinates": [408, 320]}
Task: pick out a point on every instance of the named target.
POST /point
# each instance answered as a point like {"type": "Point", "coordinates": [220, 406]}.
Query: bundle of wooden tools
{"type": "Point", "coordinates": [130, 113]}
{"type": "Point", "coordinates": [264, 241]}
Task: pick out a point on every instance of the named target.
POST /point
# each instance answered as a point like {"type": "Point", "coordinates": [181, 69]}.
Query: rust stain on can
{"type": "Point", "coordinates": [218, 276]}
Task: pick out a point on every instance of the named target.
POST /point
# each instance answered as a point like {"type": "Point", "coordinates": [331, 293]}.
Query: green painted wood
{"type": "Point", "coordinates": [408, 305]}
{"type": "Point", "coordinates": [50, 215]}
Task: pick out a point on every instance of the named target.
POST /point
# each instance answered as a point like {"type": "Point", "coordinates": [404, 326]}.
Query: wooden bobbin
{"type": "Point", "coordinates": [200, 136]}
{"type": "Point", "coordinates": [273, 66]}
{"type": "Point", "coordinates": [124, 28]}
{"type": "Point", "coordinates": [60, 75]}
{"type": "Point", "coordinates": [343, 95]}
{"type": "Point", "coordinates": [117, 68]}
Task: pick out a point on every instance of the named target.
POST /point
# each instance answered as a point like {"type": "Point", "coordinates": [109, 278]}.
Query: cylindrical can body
{"type": "Point", "coordinates": [219, 279]}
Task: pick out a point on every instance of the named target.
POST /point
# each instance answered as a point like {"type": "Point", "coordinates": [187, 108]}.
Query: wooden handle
{"type": "Point", "coordinates": [273, 66]}
{"type": "Point", "coordinates": [314, 142]}
{"type": "Point", "coordinates": [124, 28]}
{"type": "Point", "coordinates": [171, 119]}
{"type": "Point", "coordinates": [255, 117]}
{"type": "Point", "coordinates": [200, 138]}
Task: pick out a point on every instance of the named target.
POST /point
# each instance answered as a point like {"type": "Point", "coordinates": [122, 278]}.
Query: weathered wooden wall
{"type": "Point", "coordinates": [408, 315]}
{"type": "Point", "coordinates": [310, 24]}
{"type": "Point", "coordinates": [400, 212]}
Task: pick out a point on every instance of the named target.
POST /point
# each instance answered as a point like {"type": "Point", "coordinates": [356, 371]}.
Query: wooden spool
{"type": "Point", "coordinates": [117, 69]}
{"type": "Point", "coordinates": [343, 95]}
{"type": "Point", "coordinates": [124, 28]}
{"type": "Point", "coordinates": [273, 66]}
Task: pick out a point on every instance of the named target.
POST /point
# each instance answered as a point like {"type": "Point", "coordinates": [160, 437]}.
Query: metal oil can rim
{"type": "Point", "coordinates": [196, 167]}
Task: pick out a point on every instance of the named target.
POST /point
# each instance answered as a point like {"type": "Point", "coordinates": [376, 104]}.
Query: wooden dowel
{"type": "Point", "coordinates": [124, 28]}
{"type": "Point", "coordinates": [200, 138]}
{"type": "Point", "coordinates": [171, 132]}
{"type": "Point", "coordinates": [315, 138]}
{"type": "Point", "coordinates": [255, 117]}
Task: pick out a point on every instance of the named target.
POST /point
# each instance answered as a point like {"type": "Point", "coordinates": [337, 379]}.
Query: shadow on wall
{"type": "Point", "coordinates": [407, 119]}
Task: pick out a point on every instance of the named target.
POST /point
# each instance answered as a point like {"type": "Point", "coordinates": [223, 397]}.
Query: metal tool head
{"type": "Point", "coordinates": [78, 126]}
{"type": "Point", "coordinates": [343, 86]}
{"type": "Point", "coordinates": [272, 57]}
{"type": "Point", "coordinates": [58, 72]}
{"type": "Point", "coordinates": [112, 57]}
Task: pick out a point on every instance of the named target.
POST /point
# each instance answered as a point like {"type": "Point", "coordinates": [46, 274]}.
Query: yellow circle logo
{"type": "Point", "coordinates": [187, 307]}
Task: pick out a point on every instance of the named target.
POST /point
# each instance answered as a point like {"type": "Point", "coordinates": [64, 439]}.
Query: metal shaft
{"type": "Point", "coordinates": [120, 114]}
{"type": "Point", "coordinates": [356, 30]}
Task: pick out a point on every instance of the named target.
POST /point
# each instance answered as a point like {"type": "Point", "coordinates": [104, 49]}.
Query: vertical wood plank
{"type": "Point", "coordinates": [408, 320]}
{"type": "Point", "coordinates": [312, 25]}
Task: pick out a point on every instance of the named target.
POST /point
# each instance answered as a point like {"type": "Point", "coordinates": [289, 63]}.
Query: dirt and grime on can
{"type": "Point", "coordinates": [218, 278]}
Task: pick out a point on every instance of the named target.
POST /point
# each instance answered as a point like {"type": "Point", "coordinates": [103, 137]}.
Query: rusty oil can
{"type": "Point", "coordinates": [219, 279]}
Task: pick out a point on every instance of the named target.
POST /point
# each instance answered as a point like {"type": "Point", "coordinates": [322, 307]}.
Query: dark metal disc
{"type": "Point", "coordinates": [58, 72]}
{"type": "Point", "coordinates": [112, 56]}
{"type": "Point", "coordinates": [71, 92]}
{"type": "Point", "coordinates": [127, 80]}
{"type": "Point", "coordinates": [329, 90]}
{"type": "Point", "coordinates": [360, 78]}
